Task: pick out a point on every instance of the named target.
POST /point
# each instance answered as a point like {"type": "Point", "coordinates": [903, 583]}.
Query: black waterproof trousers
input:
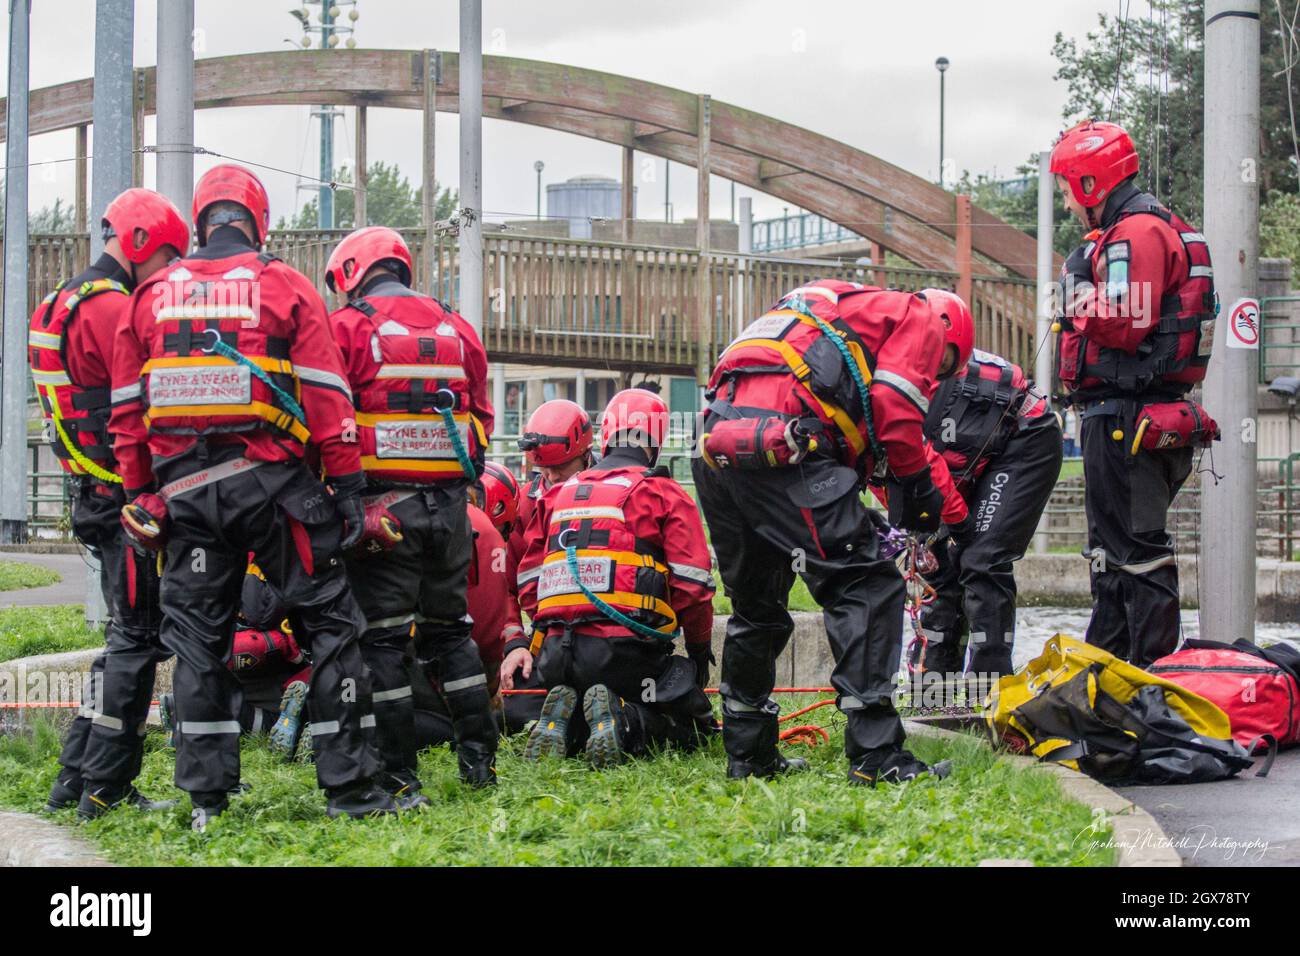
{"type": "Point", "coordinates": [663, 704]}
{"type": "Point", "coordinates": [287, 519]}
{"type": "Point", "coordinates": [106, 741]}
{"type": "Point", "coordinates": [419, 586]}
{"type": "Point", "coordinates": [1127, 498]}
{"type": "Point", "coordinates": [766, 526]}
{"type": "Point", "coordinates": [975, 588]}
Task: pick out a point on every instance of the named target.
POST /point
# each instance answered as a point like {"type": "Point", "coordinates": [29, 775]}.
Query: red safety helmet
{"type": "Point", "coordinates": [228, 183]}
{"type": "Point", "coordinates": [557, 432]}
{"type": "Point", "coordinates": [359, 251]}
{"type": "Point", "coordinates": [143, 210]}
{"type": "Point", "coordinates": [959, 327]}
{"type": "Point", "coordinates": [1100, 150]}
{"type": "Point", "coordinates": [641, 416]}
{"type": "Point", "coordinates": [500, 496]}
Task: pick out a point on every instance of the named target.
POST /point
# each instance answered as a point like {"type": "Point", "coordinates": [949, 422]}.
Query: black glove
{"type": "Point", "coordinates": [1078, 265]}
{"type": "Point", "coordinates": [915, 503]}
{"type": "Point", "coordinates": [963, 533]}
{"type": "Point", "coordinates": [701, 656]}
{"type": "Point", "coordinates": [347, 498]}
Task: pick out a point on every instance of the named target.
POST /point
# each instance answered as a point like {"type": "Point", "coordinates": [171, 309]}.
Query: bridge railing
{"type": "Point", "coordinates": [581, 303]}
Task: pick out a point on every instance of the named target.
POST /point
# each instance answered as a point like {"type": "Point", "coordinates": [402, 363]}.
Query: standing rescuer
{"type": "Point", "coordinates": [1002, 445]}
{"type": "Point", "coordinates": [224, 372]}
{"type": "Point", "coordinates": [617, 564]}
{"type": "Point", "coordinates": [812, 398]}
{"type": "Point", "coordinates": [418, 375]}
{"type": "Point", "coordinates": [71, 349]}
{"type": "Point", "coordinates": [1135, 337]}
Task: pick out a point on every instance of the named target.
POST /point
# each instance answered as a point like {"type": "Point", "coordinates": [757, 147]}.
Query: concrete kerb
{"type": "Point", "coordinates": [1140, 840]}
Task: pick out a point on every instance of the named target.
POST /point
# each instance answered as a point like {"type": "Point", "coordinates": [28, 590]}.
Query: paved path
{"type": "Point", "coordinates": [1241, 822]}
{"type": "Point", "coordinates": [70, 590]}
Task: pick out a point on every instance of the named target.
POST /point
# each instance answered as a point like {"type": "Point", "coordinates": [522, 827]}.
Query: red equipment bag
{"type": "Point", "coordinates": [753, 443]}
{"type": "Point", "coordinates": [1261, 696]}
{"type": "Point", "coordinates": [1173, 425]}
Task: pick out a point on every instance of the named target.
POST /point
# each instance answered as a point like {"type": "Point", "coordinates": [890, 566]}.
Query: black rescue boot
{"type": "Point", "coordinates": [751, 737]}
{"type": "Point", "coordinates": [66, 791]}
{"type": "Point", "coordinates": [478, 764]}
{"type": "Point", "coordinates": [549, 736]}
{"type": "Point", "coordinates": [358, 802]}
{"type": "Point", "coordinates": [98, 799]}
{"type": "Point", "coordinates": [898, 766]}
{"type": "Point", "coordinates": [404, 787]}
{"type": "Point", "coordinates": [206, 807]}
{"type": "Point", "coordinates": [608, 726]}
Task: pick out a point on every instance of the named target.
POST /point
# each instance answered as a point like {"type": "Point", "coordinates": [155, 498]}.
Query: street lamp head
{"type": "Point", "coordinates": [539, 166]}
{"type": "Point", "coordinates": [941, 64]}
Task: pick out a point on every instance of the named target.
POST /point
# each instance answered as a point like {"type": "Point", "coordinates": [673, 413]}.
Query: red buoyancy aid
{"type": "Point", "coordinates": [974, 414]}
{"type": "Point", "coordinates": [76, 416]}
{"type": "Point", "coordinates": [418, 369]}
{"type": "Point", "coordinates": [188, 387]}
{"type": "Point", "coordinates": [1176, 354]}
{"type": "Point", "coordinates": [787, 343]}
{"type": "Point", "coordinates": [624, 571]}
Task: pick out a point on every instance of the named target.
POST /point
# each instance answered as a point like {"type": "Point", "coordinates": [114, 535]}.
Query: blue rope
{"type": "Point", "coordinates": [615, 615]}
{"type": "Point", "coordinates": [457, 445]}
{"type": "Point", "coordinates": [287, 400]}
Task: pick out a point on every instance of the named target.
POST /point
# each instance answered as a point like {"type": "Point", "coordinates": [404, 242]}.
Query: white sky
{"type": "Point", "coordinates": [861, 71]}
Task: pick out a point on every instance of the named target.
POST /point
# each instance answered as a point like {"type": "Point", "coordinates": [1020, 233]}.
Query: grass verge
{"type": "Point", "coordinates": [674, 810]}
{"type": "Point", "coordinates": [17, 575]}
{"type": "Point", "coordinates": [45, 630]}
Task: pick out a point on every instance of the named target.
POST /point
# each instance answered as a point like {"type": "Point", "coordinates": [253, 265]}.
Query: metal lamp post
{"type": "Point", "coordinates": [941, 65]}
{"type": "Point", "coordinates": [539, 166]}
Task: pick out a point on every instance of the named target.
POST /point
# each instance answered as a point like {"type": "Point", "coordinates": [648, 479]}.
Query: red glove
{"type": "Point", "coordinates": [380, 531]}
{"type": "Point", "coordinates": [145, 522]}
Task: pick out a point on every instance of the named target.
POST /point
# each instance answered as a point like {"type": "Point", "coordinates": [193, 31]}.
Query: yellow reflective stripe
{"type": "Point", "coordinates": [621, 600]}
{"type": "Point", "coordinates": [283, 366]}
{"type": "Point", "coordinates": [280, 419]}
{"type": "Point", "coordinates": [625, 558]}
{"type": "Point", "coordinates": [43, 340]}
{"type": "Point", "coordinates": [371, 419]}
{"type": "Point", "coordinates": [80, 464]}
{"type": "Point", "coordinates": [59, 377]}
{"type": "Point", "coordinates": [799, 368]}
{"type": "Point", "coordinates": [375, 463]}
{"type": "Point", "coordinates": [479, 431]}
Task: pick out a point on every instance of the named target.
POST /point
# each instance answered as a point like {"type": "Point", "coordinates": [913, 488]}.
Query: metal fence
{"type": "Point", "coordinates": [1279, 346]}
{"type": "Point", "coordinates": [797, 232]}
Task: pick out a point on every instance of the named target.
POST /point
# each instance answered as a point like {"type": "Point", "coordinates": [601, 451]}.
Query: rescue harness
{"type": "Point", "coordinates": [71, 409]}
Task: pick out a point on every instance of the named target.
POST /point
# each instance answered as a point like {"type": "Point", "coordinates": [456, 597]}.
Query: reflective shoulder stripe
{"type": "Point", "coordinates": [830, 295]}
{"type": "Point", "coordinates": [217, 310]}
{"type": "Point", "coordinates": [571, 514]}
{"type": "Point", "coordinates": [127, 393]}
{"type": "Point", "coordinates": [1201, 272]}
{"type": "Point", "coordinates": [690, 572]}
{"type": "Point", "coordinates": [1192, 237]}
{"type": "Point", "coordinates": [523, 577]}
{"type": "Point", "coordinates": [621, 480]}
{"type": "Point", "coordinates": [319, 376]}
{"type": "Point", "coordinates": [44, 340]}
{"type": "Point", "coordinates": [910, 391]}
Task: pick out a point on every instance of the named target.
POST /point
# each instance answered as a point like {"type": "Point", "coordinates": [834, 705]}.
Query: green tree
{"type": "Point", "coordinates": [390, 201]}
